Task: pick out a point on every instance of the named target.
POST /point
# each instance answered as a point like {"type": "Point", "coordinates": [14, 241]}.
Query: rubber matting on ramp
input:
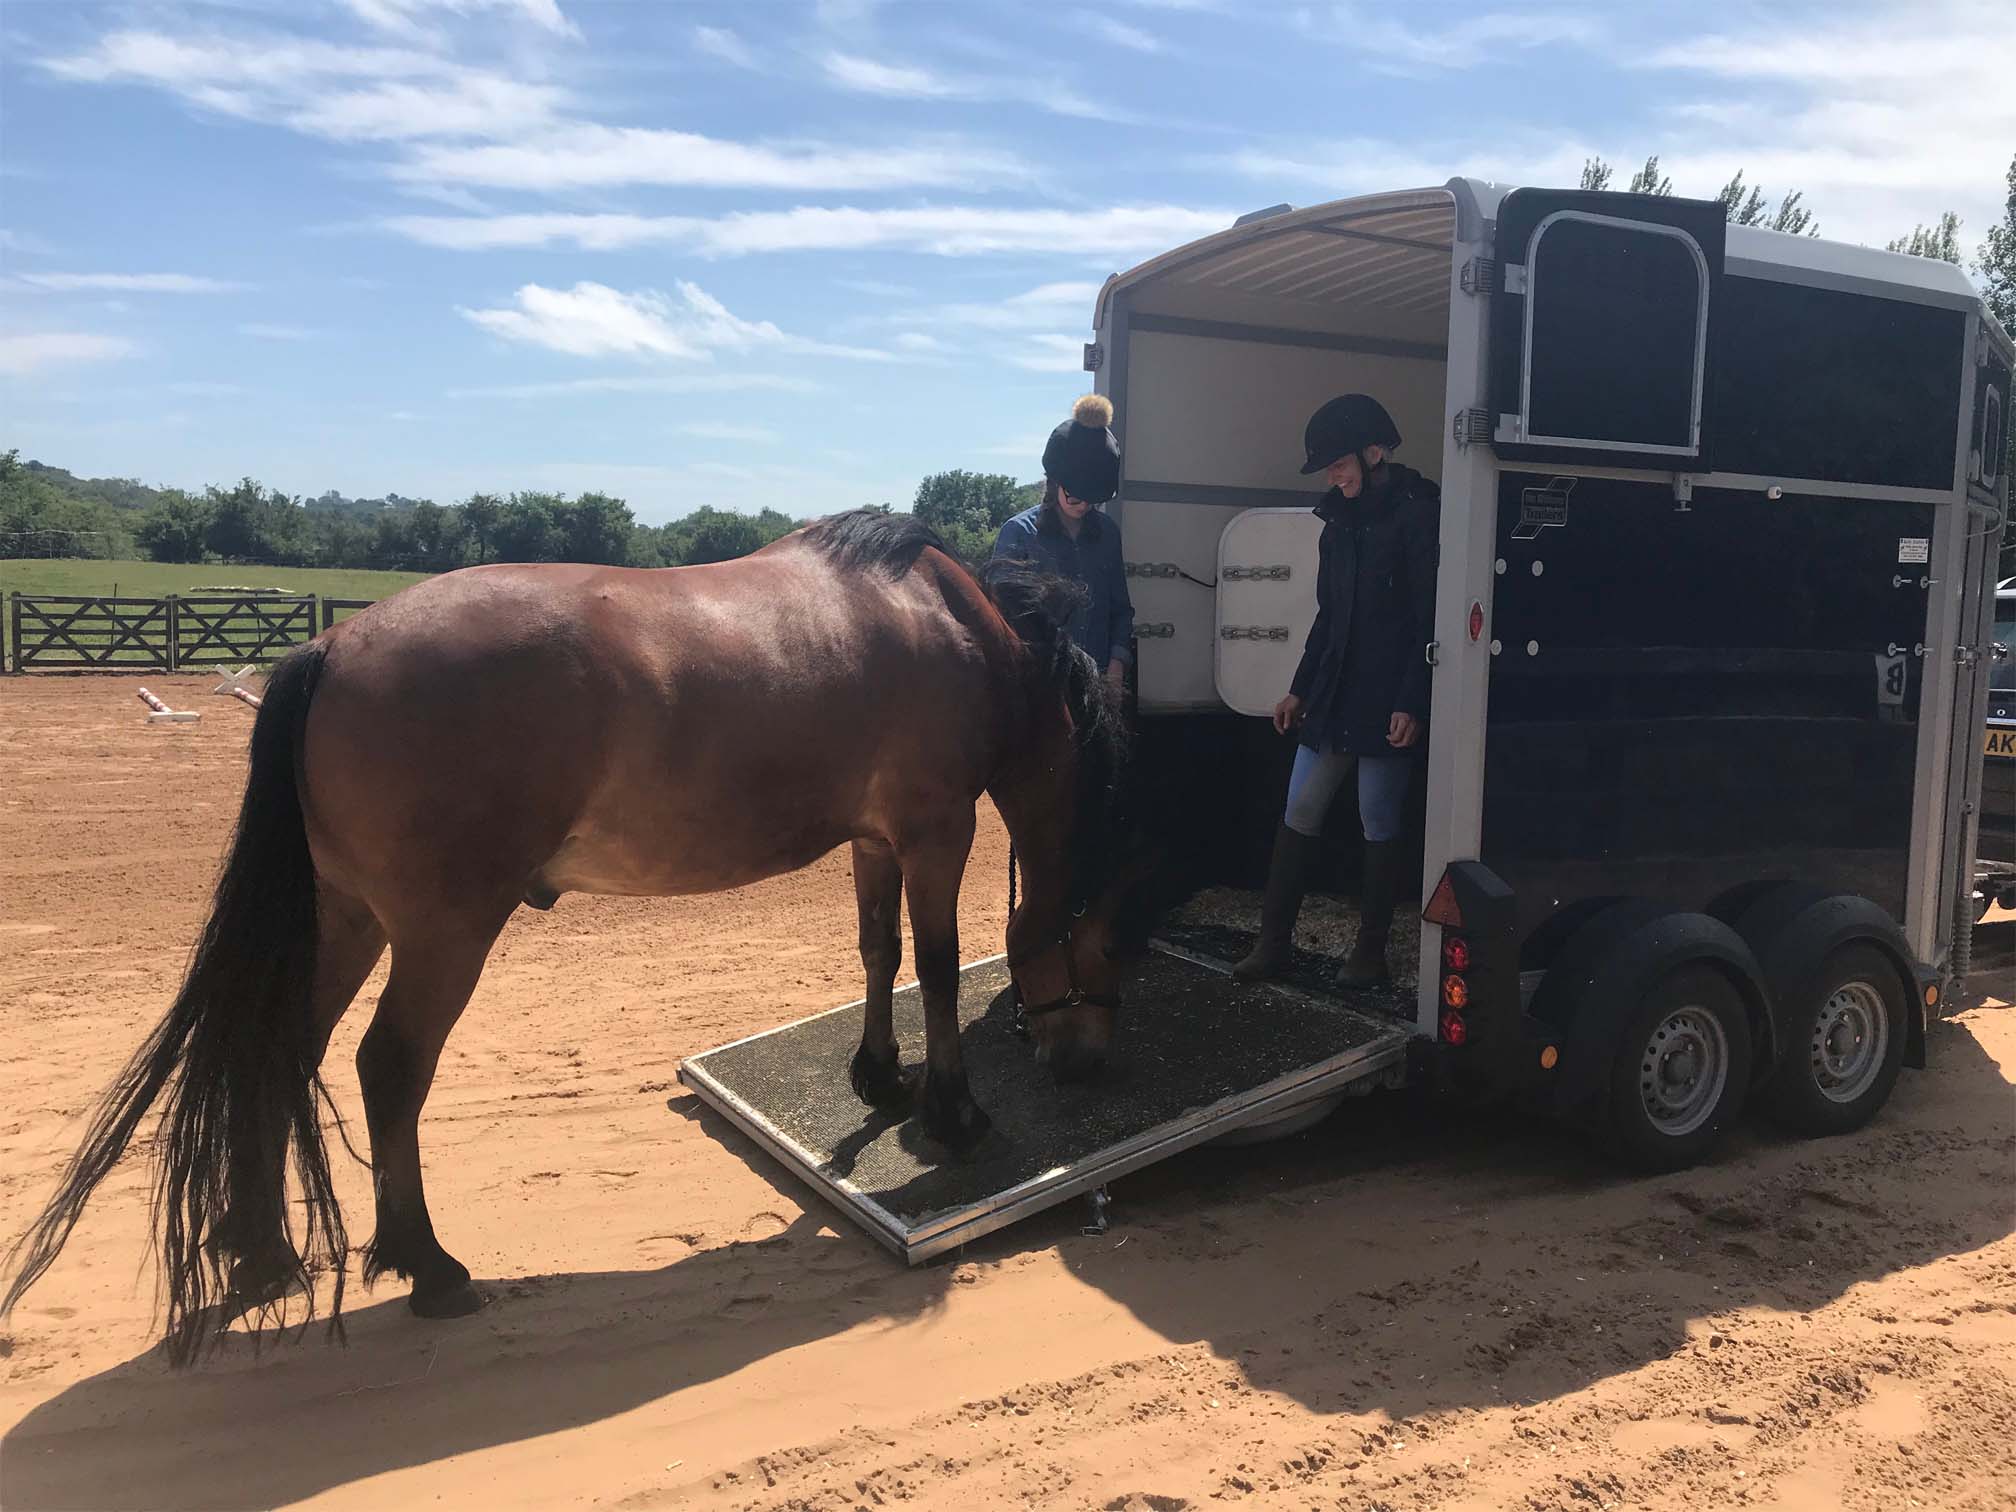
{"type": "Point", "coordinates": [1197, 1055]}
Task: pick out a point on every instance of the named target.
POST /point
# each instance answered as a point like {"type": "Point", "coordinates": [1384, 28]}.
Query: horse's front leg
{"type": "Point", "coordinates": [877, 1071]}
{"type": "Point", "coordinates": [933, 863]}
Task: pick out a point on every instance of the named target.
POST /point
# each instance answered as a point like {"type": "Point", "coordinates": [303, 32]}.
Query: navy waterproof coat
{"type": "Point", "coordinates": [1366, 657]}
{"type": "Point", "coordinates": [1104, 625]}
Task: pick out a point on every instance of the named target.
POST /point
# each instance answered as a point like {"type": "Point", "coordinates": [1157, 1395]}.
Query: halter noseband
{"type": "Point", "coordinates": [1074, 997]}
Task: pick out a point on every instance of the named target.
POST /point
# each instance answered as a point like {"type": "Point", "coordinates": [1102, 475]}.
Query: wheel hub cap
{"type": "Point", "coordinates": [1683, 1070]}
{"type": "Point", "coordinates": [1850, 1039]}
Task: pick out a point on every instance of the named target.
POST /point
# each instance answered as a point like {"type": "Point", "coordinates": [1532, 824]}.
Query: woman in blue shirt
{"type": "Point", "coordinates": [1068, 535]}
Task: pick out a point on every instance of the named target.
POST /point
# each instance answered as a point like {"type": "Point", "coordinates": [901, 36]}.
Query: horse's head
{"type": "Point", "coordinates": [1072, 991]}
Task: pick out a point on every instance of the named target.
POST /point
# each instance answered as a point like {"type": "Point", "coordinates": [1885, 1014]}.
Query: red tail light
{"type": "Point", "coordinates": [1455, 992]}
{"type": "Point", "coordinates": [1455, 953]}
{"type": "Point", "coordinates": [1454, 1030]}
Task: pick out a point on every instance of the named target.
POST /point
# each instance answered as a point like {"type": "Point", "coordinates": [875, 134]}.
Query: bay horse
{"type": "Point", "coordinates": [505, 734]}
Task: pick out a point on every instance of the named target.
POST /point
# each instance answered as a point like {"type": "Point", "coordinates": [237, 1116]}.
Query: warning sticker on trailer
{"type": "Point", "coordinates": [1914, 550]}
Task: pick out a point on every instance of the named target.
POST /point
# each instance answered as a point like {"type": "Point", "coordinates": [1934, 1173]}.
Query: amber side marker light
{"type": "Point", "coordinates": [1932, 996]}
{"type": "Point", "coordinates": [1549, 1058]}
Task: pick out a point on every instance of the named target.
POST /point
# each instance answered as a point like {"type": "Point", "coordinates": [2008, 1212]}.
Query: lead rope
{"type": "Point", "coordinates": [1019, 1023]}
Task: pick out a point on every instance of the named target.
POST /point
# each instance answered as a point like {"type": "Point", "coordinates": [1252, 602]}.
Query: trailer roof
{"type": "Point", "coordinates": [1417, 221]}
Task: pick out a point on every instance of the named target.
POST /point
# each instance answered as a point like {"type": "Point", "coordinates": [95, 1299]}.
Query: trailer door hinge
{"type": "Point", "coordinates": [1471, 427]}
{"type": "Point", "coordinates": [1479, 276]}
{"type": "Point", "coordinates": [1155, 630]}
{"type": "Point", "coordinates": [1278, 573]}
{"type": "Point", "coordinates": [1095, 356]}
{"type": "Point", "coordinates": [1512, 278]}
{"type": "Point", "coordinates": [1254, 633]}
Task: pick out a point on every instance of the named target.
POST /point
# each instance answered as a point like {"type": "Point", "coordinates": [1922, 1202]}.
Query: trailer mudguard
{"type": "Point", "coordinates": [1793, 930]}
{"type": "Point", "coordinates": [1610, 964]}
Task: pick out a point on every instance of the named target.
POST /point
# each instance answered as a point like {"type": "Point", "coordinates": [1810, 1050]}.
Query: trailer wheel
{"type": "Point", "coordinates": [1680, 1070]}
{"type": "Point", "coordinates": [1844, 1045]}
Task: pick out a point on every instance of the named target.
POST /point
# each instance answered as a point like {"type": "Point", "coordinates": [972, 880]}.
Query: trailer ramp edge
{"type": "Point", "coordinates": [1201, 1057]}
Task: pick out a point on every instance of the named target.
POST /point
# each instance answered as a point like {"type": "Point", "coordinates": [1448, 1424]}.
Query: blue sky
{"type": "Point", "coordinates": [800, 254]}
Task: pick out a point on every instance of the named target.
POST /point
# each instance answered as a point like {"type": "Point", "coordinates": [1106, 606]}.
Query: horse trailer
{"type": "Point", "coordinates": [1697, 819]}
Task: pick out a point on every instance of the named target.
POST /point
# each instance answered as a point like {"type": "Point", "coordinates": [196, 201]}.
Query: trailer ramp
{"type": "Point", "coordinates": [1199, 1056]}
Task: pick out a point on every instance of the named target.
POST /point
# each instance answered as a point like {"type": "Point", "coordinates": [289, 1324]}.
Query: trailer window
{"type": "Point", "coordinates": [1616, 335]}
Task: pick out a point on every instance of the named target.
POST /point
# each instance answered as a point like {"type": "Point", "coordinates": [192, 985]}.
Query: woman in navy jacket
{"type": "Point", "coordinates": [1359, 700]}
{"type": "Point", "coordinates": [1067, 535]}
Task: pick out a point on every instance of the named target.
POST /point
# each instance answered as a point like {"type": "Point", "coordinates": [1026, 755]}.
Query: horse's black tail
{"type": "Point", "coordinates": [236, 1057]}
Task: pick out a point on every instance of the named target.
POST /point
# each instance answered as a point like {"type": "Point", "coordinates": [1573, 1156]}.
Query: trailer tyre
{"type": "Point", "coordinates": [1680, 1070]}
{"type": "Point", "coordinates": [1844, 1045]}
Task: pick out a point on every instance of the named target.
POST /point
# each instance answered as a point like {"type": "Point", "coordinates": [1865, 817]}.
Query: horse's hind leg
{"type": "Point", "coordinates": [877, 1071]}
{"type": "Point", "coordinates": [348, 944]}
{"type": "Point", "coordinates": [434, 970]}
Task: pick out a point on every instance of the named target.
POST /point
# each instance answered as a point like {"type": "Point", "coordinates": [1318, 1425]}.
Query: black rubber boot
{"type": "Point", "coordinates": [1366, 966]}
{"type": "Point", "coordinates": [1287, 878]}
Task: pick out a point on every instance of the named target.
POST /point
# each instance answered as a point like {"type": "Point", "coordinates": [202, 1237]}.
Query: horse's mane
{"type": "Point", "coordinates": [1038, 607]}
{"type": "Point", "coordinates": [874, 540]}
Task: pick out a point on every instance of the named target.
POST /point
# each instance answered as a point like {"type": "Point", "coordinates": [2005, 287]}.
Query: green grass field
{"type": "Point", "coordinates": [158, 579]}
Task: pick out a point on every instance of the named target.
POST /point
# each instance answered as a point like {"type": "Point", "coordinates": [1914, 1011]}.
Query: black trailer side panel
{"type": "Point", "coordinates": [1685, 700]}
{"type": "Point", "coordinates": [1818, 383]}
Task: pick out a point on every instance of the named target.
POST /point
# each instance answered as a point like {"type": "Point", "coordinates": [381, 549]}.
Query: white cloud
{"type": "Point", "coordinates": [1045, 305]}
{"type": "Point", "coordinates": [950, 231]}
{"type": "Point", "coordinates": [920, 342]}
{"type": "Point", "coordinates": [325, 89]}
{"type": "Point", "coordinates": [21, 241]}
{"type": "Point", "coordinates": [722, 430]}
{"type": "Point", "coordinates": [473, 105]}
{"type": "Point", "coordinates": [587, 156]}
{"type": "Point", "coordinates": [593, 320]}
{"type": "Point", "coordinates": [656, 383]}
{"type": "Point", "coordinates": [1883, 120]}
{"type": "Point", "coordinates": [1051, 354]}
{"type": "Point", "coordinates": [404, 16]}
{"type": "Point", "coordinates": [1364, 165]}
{"type": "Point", "coordinates": [1385, 45]}
{"type": "Point", "coordinates": [25, 353]}
{"type": "Point", "coordinates": [131, 283]}
{"type": "Point", "coordinates": [1120, 34]}
{"type": "Point", "coordinates": [265, 331]}
{"type": "Point", "coordinates": [905, 81]}
{"type": "Point", "coordinates": [720, 42]}
{"type": "Point", "coordinates": [866, 76]}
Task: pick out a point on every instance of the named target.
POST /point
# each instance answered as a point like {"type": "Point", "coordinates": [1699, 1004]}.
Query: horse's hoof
{"type": "Point", "coordinates": [457, 1300]}
{"type": "Point", "coordinates": [262, 1282]}
{"type": "Point", "coordinates": [955, 1121]}
{"type": "Point", "coordinates": [882, 1084]}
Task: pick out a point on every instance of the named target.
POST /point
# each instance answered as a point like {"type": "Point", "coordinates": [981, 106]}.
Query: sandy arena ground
{"type": "Point", "coordinates": [1384, 1313]}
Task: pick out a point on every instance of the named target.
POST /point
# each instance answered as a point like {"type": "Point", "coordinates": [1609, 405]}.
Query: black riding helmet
{"type": "Point", "coordinates": [1345, 427]}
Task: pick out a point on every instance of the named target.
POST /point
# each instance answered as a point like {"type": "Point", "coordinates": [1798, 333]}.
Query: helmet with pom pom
{"type": "Point", "coordinates": [1082, 457]}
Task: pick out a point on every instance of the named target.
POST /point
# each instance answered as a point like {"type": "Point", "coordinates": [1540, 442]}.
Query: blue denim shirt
{"type": "Point", "coordinates": [1105, 625]}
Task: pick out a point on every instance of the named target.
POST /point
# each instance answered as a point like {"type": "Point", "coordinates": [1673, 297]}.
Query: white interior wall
{"type": "Point", "coordinates": [1231, 414]}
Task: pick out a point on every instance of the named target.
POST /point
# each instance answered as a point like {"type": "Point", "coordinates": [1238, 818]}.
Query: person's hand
{"type": "Point", "coordinates": [1287, 714]}
{"type": "Point", "coordinates": [1402, 730]}
{"type": "Point", "coordinates": [1116, 675]}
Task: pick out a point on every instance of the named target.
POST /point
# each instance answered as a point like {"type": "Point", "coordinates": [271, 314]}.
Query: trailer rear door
{"type": "Point", "coordinates": [1267, 565]}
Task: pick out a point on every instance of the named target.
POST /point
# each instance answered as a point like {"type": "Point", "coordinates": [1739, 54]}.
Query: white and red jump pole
{"type": "Point", "coordinates": [162, 714]}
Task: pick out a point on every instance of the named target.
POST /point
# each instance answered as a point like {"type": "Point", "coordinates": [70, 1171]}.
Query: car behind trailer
{"type": "Point", "coordinates": [1697, 823]}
